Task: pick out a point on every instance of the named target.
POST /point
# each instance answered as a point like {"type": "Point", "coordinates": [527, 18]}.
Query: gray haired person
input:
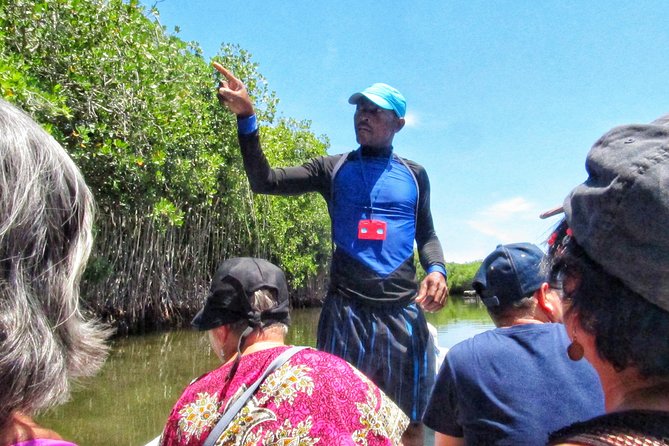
{"type": "Point", "coordinates": [46, 215]}
{"type": "Point", "coordinates": [267, 392]}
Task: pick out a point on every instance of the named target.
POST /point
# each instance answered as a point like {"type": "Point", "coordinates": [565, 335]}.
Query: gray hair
{"type": "Point", "coordinates": [46, 217]}
{"type": "Point", "coordinates": [263, 299]}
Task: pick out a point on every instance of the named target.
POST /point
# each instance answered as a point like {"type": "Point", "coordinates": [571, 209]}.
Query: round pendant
{"type": "Point", "coordinates": [575, 351]}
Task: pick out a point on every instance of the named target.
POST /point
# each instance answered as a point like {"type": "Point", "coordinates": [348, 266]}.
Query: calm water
{"type": "Point", "coordinates": [128, 402]}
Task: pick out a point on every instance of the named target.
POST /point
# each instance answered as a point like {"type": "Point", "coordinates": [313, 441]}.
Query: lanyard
{"type": "Point", "coordinates": [367, 186]}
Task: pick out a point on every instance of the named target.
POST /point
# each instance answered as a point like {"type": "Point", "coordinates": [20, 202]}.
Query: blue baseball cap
{"type": "Point", "coordinates": [384, 96]}
{"type": "Point", "coordinates": [510, 273]}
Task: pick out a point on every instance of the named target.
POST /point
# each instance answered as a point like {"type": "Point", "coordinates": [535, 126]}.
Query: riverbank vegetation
{"type": "Point", "coordinates": [134, 105]}
{"type": "Point", "coordinates": [460, 275]}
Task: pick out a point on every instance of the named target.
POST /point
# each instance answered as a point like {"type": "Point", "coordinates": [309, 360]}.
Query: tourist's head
{"type": "Point", "coordinates": [247, 294]}
{"type": "Point", "coordinates": [46, 215]}
{"type": "Point", "coordinates": [508, 279]}
{"type": "Point", "coordinates": [611, 252]}
{"type": "Point", "coordinates": [379, 115]}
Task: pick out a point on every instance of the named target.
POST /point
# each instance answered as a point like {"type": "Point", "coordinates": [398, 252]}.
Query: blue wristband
{"type": "Point", "coordinates": [437, 268]}
{"type": "Point", "coordinates": [248, 125]}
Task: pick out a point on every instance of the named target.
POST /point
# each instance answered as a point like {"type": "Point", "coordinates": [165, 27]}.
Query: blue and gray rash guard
{"type": "Point", "coordinates": [371, 184]}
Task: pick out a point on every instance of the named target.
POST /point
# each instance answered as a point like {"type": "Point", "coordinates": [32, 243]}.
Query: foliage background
{"type": "Point", "coordinates": [460, 275]}
{"type": "Point", "coordinates": [134, 106]}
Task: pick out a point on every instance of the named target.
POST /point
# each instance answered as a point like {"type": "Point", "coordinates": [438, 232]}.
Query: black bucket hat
{"type": "Point", "coordinates": [233, 284]}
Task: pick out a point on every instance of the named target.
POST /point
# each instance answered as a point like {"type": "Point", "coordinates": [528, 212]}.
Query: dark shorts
{"type": "Point", "coordinates": [390, 344]}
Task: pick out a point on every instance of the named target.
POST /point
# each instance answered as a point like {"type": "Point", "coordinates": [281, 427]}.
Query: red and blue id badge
{"type": "Point", "coordinates": [371, 230]}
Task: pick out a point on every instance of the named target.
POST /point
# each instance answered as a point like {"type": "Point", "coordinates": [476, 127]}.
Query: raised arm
{"type": "Point", "coordinates": [263, 179]}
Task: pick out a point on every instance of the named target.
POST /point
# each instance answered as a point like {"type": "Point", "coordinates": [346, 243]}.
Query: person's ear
{"type": "Point", "coordinates": [221, 333]}
{"type": "Point", "coordinates": [547, 303]}
{"type": "Point", "coordinates": [400, 124]}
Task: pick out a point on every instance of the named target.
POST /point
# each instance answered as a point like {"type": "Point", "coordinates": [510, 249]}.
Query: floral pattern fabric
{"type": "Point", "coordinates": [313, 399]}
{"type": "Point", "coordinates": [43, 442]}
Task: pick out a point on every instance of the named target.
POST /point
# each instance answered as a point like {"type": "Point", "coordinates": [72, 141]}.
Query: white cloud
{"type": "Point", "coordinates": [517, 207]}
{"type": "Point", "coordinates": [509, 221]}
{"type": "Point", "coordinates": [491, 229]}
{"type": "Point", "coordinates": [411, 120]}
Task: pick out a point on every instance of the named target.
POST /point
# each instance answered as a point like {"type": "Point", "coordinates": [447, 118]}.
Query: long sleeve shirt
{"type": "Point", "coordinates": [372, 184]}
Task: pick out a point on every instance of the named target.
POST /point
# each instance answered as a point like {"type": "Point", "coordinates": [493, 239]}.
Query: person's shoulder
{"type": "Point", "coordinates": [488, 344]}
{"type": "Point", "coordinates": [319, 357]}
{"type": "Point", "coordinates": [473, 344]}
{"type": "Point", "coordinates": [554, 329]}
{"type": "Point", "coordinates": [551, 332]}
{"type": "Point", "coordinates": [44, 442]}
{"type": "Point", "coordinates": [558, 330]}
{"type": "Point", "coordinates": [641, 426]}
{"type": "Point", "coordinates": [328, 364]}
{"type": "Point", "coordinates": [483, 337]}
{"type": "Point", "coordinates": [417, 170]}
{"type": "Point", "coordinates": [332, 375]}
{"type": "Point", "coordinates": [328, 162]}
{"type": "Point", "coordinates": [206, 380]}
{"type": "Point", "coordinates": [413, 165]}
{"type": "Point", "coordinates": [550, 335]}
{"type": "Point", "coordinates": [333, 158]}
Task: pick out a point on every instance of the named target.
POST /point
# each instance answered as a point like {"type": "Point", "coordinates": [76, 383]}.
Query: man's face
{"type": "Point", "coordinates": [375, 126]}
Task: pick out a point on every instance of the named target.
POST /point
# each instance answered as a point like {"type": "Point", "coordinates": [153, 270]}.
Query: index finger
{"type": "Point", "coordinates": [224, 71]}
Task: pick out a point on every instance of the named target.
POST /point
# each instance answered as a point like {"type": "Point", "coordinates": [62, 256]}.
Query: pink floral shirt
{"type": "Point", "coordinates": [313, 399]}
{"type": "Point", "coordinates": [44, 442]}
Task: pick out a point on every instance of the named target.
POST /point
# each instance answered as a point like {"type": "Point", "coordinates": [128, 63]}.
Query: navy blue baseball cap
{"type": "Point", "coordinates": [383, 95]}
{"type": "Point", "coordinates": [510, 273]}
{"type": "Point", "coordinates": [235, 281]}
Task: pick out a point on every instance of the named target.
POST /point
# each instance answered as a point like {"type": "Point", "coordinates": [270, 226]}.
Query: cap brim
{"type": "Point", "coordinates": [551, 212]}
{"type": "Point", "coordinates": [378, 100]}
{"type": "Point", "coordinates": [355, 98]}
{"type": "Point", "coordinates": [201, 322]}
{"type": "Point", "coordinates": [214, 313]}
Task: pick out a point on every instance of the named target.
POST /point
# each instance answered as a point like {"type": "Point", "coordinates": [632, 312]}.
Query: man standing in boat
{"type": "Point", "coordinates": [379, 204]}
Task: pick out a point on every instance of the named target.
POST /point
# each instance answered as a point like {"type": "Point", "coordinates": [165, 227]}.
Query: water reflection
{"type": "Point", "coordinates": [459, 321]}
{"type": "Point", "coordinates": [128, 402]}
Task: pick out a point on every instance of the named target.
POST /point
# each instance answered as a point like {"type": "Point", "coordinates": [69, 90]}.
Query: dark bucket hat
{"type": "Point", "coordinates": [620, 214]}
{"type": "Point", "coordinates": [233, 284]}
{"type": "Point", "coordinates": [510, 273]}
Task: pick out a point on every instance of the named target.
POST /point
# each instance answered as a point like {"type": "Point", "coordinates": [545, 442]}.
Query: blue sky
{"type": "Point", "coordinates": [504, 97]}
